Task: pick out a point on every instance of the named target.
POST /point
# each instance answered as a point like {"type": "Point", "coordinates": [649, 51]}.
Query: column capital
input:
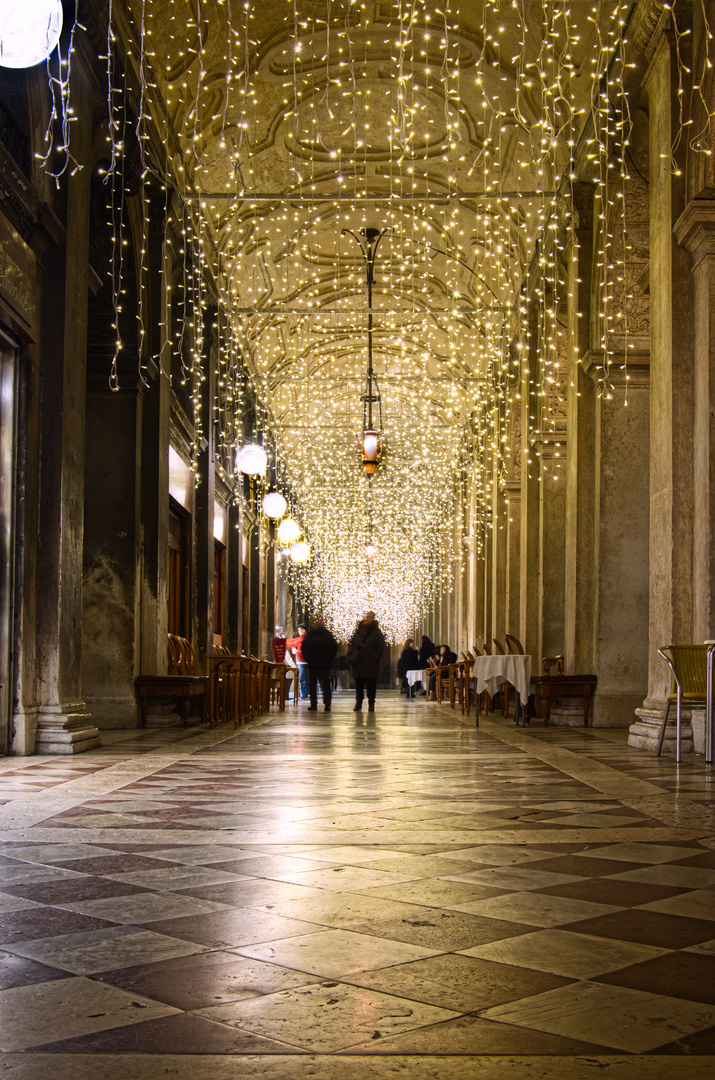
{"type": "Point", "coordinates": [695, 229]}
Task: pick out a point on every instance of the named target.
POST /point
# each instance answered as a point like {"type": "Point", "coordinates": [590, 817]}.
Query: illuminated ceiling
{"type": "Point", "coordinates": [286, 122]}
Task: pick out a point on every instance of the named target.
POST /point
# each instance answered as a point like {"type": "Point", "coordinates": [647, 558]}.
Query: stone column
{"type": "Point", "coordinates": [552, 556]}
{"type": "Point", "coordinates": [695, 231]}
{"type": "Point", "coordinates": [64, 725]}
{"type": "Point", "coordinates": [529, 537]}
{"type": "Point", "coordinates": [154, 419]}
{"type": "Point", "coordinates": [621, 557]}
{"type": "Point", "coordinates": [499, 555]}
{"type": "Point", "coordinates": [671, 404]}
{"type": "Point", "coordinates": [580, 451]}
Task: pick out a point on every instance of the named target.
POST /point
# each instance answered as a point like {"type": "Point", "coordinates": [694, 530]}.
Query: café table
{"type": "Point", "coordinates": [491, 671]}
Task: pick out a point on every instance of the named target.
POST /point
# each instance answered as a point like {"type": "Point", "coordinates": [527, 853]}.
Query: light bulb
{"type": "Point", "coordinates": [29, 31]}
{"type": "Point", "coordinates": [300, 552]}
{"type": "Point", "coordinates": [288, 531]}
{"type": "Point", "coordinates": [252, 459]}
{"type": "Point", "coordinates": [274, 505]}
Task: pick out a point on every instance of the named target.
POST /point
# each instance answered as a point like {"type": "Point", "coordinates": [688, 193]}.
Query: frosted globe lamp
{"type": "Point", "coordinates": [252, 459]}
{"type": "Point", "coordinates": [29, 31]}
{"type": "Point", "coordinates": [300, 552]}
{"type": "Point", "coordinates": [274, 505]}
{"type": "Point", "coordinates": [288, 531]}
{"type": "Point", "coordinates": [370, 551]}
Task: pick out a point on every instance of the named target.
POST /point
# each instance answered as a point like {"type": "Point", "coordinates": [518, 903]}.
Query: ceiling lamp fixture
{"type": "Point", "coordinates": [300, 552]}
{"type": "Point", "coordinates": [370, 551]}
{"type": "Point", "coordinates": [274, 505]}
{"type": "Point", "coordinates": [252, 459]}
{"type": "Point", "coordinates": [372, 440]}
{"type": "Point", "coordinates": [288, 531]}
{"type": "Point", "coordinates": [29, 31]}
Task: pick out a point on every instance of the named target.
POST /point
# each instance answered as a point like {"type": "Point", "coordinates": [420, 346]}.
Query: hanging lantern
{"type": "Point", "coordinates": [371, 451]}
{"type": "Point", "coordinates": [252, 459]}
{"type": "Point", "coordinates": [288, 531]}
{"type": "Point", "coordinates": [274, 505]}
{"type": "Point", "coordinates": [300, 552]}
{"type": "Point", "coordinates": [29, 31]}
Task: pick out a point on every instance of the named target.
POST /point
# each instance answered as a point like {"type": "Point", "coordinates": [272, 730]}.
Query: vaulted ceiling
{"type": "Point", "coordinates": [292, 125]}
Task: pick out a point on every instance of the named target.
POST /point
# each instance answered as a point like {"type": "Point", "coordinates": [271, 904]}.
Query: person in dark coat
{"type": "Point", "coordinates": [319, 650]}
{"type": "Point", "coordinates": [366, 648]}
{"type": "Point", "coordinates": [427, 651]}
{"type": "Point", "coordinates": [444, 658]}
{"type": "Point", "coordinates": [409, 661]}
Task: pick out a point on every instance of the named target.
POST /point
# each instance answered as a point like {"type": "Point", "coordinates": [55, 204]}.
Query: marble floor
{"type": "Point", "coordinates": [341, 896]}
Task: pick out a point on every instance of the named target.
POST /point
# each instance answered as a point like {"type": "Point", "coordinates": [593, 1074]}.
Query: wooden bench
{"type": "Point", "coordinates": [181, 683]}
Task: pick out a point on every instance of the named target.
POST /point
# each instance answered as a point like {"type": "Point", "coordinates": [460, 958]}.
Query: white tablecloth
{"type": "Point", "coordinates": [491, 671]}
{"type": "Point", "coordinates": [416, 676]}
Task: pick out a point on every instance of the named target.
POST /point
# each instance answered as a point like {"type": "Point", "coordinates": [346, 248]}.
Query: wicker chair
{"type": "Point", "coordinates": [688, 663]}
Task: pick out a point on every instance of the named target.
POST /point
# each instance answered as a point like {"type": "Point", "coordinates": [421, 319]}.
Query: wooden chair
{"type": "Point", "coordinates": [181, 683]}
{"type": "Point", "coordinates": [515, 646]}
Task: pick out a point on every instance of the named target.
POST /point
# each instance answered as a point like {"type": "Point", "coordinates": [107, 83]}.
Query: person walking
{"type": "Point", "coordinates": [297, 644]}
{"type": "Point", "coordinates": [366, 648]}
{"type": "Point", "coordinates": [409, 661]}
{"type": "Point", "coordinates": [319, 651]}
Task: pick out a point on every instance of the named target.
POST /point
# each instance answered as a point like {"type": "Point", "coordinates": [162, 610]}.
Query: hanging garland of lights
{"type": "Point", "coordinates": [290, 131]}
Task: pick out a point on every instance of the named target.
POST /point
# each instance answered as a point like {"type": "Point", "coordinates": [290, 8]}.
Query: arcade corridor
{"type": "Point", "coordinates": [292, 899]}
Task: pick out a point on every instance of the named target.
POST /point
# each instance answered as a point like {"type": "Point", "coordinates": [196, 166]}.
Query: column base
{"type": "Point", "coordinates": [645, 733]}
{"type": "Point", "coordinates": [566, 712]}
{"type": "Point", "coordinates": [65, 732]}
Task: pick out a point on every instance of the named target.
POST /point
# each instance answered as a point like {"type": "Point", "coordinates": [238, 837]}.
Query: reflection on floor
{"type": "Point", "coordinates": [340, 896]}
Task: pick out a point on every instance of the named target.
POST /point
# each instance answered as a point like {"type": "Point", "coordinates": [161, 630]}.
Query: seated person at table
{"type": "Point", "coordinates": [444, 657]}
{"type": "Point", "coordinates": [409, 661]}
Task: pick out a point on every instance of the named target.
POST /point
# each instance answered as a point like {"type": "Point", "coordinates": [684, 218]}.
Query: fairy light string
{"type": "Point", "coordinates": [274, 126]}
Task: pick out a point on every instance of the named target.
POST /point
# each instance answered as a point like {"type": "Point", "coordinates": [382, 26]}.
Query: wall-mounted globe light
{"type": "Point", "coordinates": [274, 505]}
{"type": "Point", "coordinates": [300, 552]}
{"type": "Point", "coordinates": [252, 459]}
{"type": "Point", "coordinates": [288, 531]}
{"type": "Point", "coordinates": [370, 551]}
{"type": "Point", "coordinates": [29, 31]}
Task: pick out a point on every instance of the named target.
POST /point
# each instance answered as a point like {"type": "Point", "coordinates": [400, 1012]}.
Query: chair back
{"type": "Point", "coordinates": [514, 645]}
{"type": "Point", "coordinates": [689, 665]}
{"type": "Point", "coordinates": [499, 647]}
{"type": "Point", "coordinates": [181, 656]}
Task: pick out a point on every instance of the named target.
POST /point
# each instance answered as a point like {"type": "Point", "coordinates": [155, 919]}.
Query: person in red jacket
{"type": "Point", "coordinates": [297, 644]}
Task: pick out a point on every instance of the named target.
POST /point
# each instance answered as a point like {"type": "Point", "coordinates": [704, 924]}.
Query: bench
{"type": "Point", "coordinates": [181, 683]}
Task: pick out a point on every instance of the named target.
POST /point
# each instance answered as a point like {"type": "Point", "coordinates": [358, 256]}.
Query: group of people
{"type": "Point", "coordinates": [315, 651]}
{"type": "Point", "coordinates": [428, 656]}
